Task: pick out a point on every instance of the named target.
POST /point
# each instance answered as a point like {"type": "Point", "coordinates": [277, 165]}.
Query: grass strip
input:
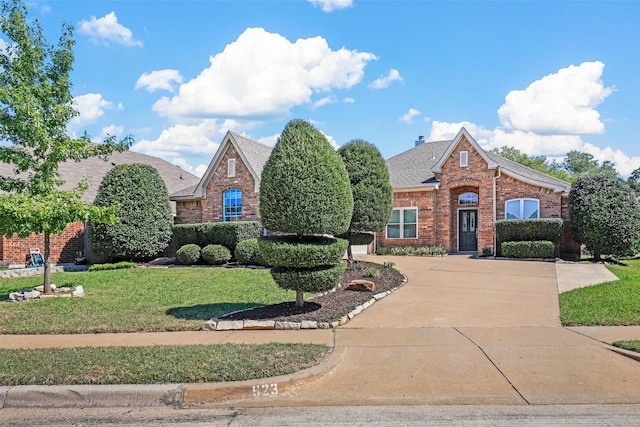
{"type": "Point", "coordinates": [633, 345]}
{"type": "Point", "coordinates": [136, 300]}
{"type": "Point", "coordinates": [607, 304]}
{"type": "Point", "coordinates": [155, 364]}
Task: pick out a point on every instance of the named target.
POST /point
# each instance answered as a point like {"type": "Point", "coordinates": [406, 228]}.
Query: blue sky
{"type": "Point", "coordinates": [545, 77]}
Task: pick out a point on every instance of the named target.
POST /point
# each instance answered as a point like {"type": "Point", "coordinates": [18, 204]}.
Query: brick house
{"type": "Point", "coordinates": [73, 241]}
{"type": "Point", "coordinates": [446, 193]}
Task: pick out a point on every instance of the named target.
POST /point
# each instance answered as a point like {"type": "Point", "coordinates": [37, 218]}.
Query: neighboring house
{"type": "Point", "coordinates": [73, 242]}
{"type": "Point", "coordinates": [446, 193]}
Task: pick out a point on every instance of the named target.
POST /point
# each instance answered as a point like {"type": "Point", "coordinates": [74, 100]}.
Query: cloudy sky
{"type": "Point", "coordinates": [544, 77]}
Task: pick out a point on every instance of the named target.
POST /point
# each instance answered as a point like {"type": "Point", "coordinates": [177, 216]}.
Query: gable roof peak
{"type": "Point", "coordinates": [463, 133]}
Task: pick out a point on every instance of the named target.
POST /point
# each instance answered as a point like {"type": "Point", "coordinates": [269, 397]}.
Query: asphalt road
{"type": "Point", "coordinates": [352, 416]}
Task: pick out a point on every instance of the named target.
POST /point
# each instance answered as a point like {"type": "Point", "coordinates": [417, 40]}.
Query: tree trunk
{"type": "Point", "coordinates": [299, 299]}
{"type": "Point", "coordinates": [47, 263]}
{"type": "Point", "coordinates": [349, 254]}
{"type": "Point", "coordinates": [596, 255]}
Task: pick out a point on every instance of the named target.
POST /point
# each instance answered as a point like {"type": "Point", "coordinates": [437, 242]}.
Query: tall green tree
{"type": "Point", "coordinates": [35, 108]}
{"type": "Point", "coordinates": [145, 218]}
{"type": "Point", "coordinates": [305, 191]}
{"type": "Point", "coordinates": [634, 181]}
{"type": "Point", "coordinates": [605, 215]}
{"type": "Point", "coordinates": [372, 193]}
{"type": "Point", "coordinates": [539, 163]}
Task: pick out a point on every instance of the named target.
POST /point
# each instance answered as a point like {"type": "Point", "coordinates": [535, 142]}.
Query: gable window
{"type": "Point", "coordinates": [464, 159]}
{"type": "Point", "coordinates": [522, 209]}
{"type": "Point", "coordinates": [231, 168]}
{"type": "Point", "coordinates": [468, 199]}
{"type": "Point", "coordinates": [232, 205]}
{"type": "Point", "coordinates": [403, 224]}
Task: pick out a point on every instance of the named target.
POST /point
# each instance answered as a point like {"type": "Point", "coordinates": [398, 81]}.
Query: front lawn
{"type": "Point", "coordinates": [629, 345]}
{"type": "Point", "coordinates": [156, 364]}
{"type": "Point", "coordinates": [608, 304]}
{"type": "Point", "coordinates": [143, 299]}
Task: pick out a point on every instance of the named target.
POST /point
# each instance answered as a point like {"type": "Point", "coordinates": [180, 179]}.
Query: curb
{"type": "Point", "coordinates": [621, 351]}
{"type": "Point", "coordinates": [176, 395]}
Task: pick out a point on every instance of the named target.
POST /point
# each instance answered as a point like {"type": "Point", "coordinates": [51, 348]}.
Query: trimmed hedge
{"type": "Point", "coordinates": [115, 266]}
{"type": "Point", "coordinates": [319, 279]}
{"type": "Point", "coordinates": [527, 249]}
{"type": "Point", "coordinates": [188, 254]}
{"type": "Point", "coordinates": [356, 238]}
{"type": "Point", "coordinates": [520, 230]}
{"type": "Point", "coordinates": [248, 253]}
{"type": "Point", "coordinates": [215, 254]}
{"type": "Point", "coordinates": [228, 234]}
{"type": "Point", "coordinates": [301, 252]}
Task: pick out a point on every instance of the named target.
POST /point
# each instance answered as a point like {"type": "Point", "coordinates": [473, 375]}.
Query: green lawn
{"type": "Point", "coordinates": [143, 299]}
{"type": "Point", "coordinates": [607, 304]}
{"type": "Point", "coordinates": [156, 364]}
{"type": "Point", "coordinates": [629, 345]}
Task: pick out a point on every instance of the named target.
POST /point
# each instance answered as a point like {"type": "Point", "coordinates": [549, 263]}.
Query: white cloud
{"type": "Point", "coordinates": [348, 100]}
{"type": "Point", "coordinates": [624, 164]}
{"type": "Point", "coordinates": [331, 5]}
{"type": "Point", "coordinates": [161, 79]}
{"type": "Point", "coordinates": [91, 107]}
{"type": "Point", "coordinates": [262, 75]}
{"type": "Point", "coordinates": [560, 103]}
{"type": "Point", "coordinates": [444, 131]}
{"type": "Point", "coordinates": [107, 29]}
{"type": "Point", "coordinates": [408, 117]}
{"type": "Point", "coordinates": [269, 140]}
{"type": "Point", "coordinates": [384, 82]}
{"type": "Point", "coordinates": [324, 101]}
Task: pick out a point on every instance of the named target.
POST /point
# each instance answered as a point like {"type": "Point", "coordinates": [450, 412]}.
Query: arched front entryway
{"type": "Point", "coordinates": [465, 218]}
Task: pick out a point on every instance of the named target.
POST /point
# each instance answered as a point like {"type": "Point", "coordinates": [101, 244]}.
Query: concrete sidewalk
{"type": "Point", "coordinates": [461, 331]}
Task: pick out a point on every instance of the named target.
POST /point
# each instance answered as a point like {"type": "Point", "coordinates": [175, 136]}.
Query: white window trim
{"type": "Point", "coordinates": [231, 168]}
{"type": "Point", "coordinates": [402, 223]}
{"type": "Point", "coordinates": [464, 159]}
{"type": "Point", "coordinates": [522, 200]}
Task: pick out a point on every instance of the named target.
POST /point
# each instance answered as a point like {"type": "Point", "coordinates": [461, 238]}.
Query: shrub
{"type": "Point", "coordinates": [302, 252]}
{"type": "Point", "coordinates": [228, 234]}
{"type": "Point", "coordinates": [215, 254]}
{"type": "Point", "coordinates": [527, 249]}
{"type": "Point", "coordinates": [371, 272]}
{"type": "Point", "coordinates": [605, 215]}
{"type": "Point", "coordinates": [248, 253]}
{"type": "Point", "coordinates": [519, 230]}
{"type": "Point", "coordinates": [188, 254]}
{"type": "Point", "coordinates": [319, 279]}
{"type": "Point", "coordinates": [144, 229]}
{"type": "Point", "coordinates": [117, 266]}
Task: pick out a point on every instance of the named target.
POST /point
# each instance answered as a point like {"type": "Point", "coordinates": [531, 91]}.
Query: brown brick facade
{"type": "Point", "coordinates": [64, 248]}
{"type": "Point", "coordinates": [210, 209]}
{"type": "Point", "coordinates": [439, 209]}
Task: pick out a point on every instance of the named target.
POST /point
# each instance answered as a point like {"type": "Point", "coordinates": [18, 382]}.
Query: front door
{"type": "Point", "coordinates": [468, 230]}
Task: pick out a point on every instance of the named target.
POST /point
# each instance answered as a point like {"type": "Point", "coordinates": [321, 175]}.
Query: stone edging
{"type": "Point", "coordinates": [269, 325]}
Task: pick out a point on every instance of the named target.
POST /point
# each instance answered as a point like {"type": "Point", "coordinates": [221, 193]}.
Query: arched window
{"type": "Point", "coordinates": [522, 209]}
{"type": "Point", "coordinates": [468, 199]}
{"type": "Point", "coordinates": [232, 205]}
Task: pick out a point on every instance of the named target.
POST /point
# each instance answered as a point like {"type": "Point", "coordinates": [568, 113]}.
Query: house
{"type": "Point", "coordinates": [446, 193]}
{"type": "Point", "coordinates": [73, 242]}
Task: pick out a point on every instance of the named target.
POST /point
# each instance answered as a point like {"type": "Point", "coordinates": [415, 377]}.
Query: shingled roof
{"type": "Point", "coordinates": [96, 168]}
{"type": "Point", "coordinates": [414, 168]}
{"type": "Point", "coordinates": [253, 154]}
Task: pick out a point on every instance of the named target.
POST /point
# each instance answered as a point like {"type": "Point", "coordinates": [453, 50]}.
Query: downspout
{"type": "Point", "coordinates": [495, 212]}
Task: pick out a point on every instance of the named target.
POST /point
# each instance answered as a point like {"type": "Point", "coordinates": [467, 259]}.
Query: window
{"type": "Point", "coordinates": [522, 209]}
{"type": "Point", "coordinates": [232, 209]}
{"type": "Point", "coordinates": [231, 168]}
{"type": "Point", "coordinates": [464, 159]}
{"type": "Point", "coordinates": [468, 199]}
{"type": "Point", "coordinates": [403, 224]}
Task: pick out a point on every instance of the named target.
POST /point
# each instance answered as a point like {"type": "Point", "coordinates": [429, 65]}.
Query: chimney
{"type": "Point", "coordinates": [420, 140]}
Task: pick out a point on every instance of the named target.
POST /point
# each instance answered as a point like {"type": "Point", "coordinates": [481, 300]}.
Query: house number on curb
{"type": "Point", "coordinates": [265, 390]}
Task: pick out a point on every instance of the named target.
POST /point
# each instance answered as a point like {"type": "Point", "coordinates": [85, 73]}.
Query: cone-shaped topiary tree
{"type": "Point", "coordinates": [372, 193]}
{"type": "Point", "coordinates": [145, 216]}
{"type": "Point", "coordinates": [304, 191]}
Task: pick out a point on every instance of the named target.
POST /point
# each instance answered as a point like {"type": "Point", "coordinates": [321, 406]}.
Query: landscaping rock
{"type": "Point", "coordinates": [229, 325]}
{"type": "Point", "coordinates": [308, 324]}
{"type": "Point", "coordinates": [361, 286]}
{"type": "Point", "coordinates": [209, 325]}
{"type": "Point", "coordinates": [288, 325]}
{"type": "Point", "coordinates": [259, 324]}
{"type": "Point", "coordinates": [78, 292]}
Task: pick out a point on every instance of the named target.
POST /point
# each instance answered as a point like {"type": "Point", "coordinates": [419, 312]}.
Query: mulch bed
{"type": "Point", "coordinates": [330, 306]}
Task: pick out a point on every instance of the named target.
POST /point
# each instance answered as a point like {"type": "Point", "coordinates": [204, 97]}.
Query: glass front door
{"type": "Point", "coordinates": [468, 230]}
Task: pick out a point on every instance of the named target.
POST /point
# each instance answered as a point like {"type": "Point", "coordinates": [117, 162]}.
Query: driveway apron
{"type": "Point", "coordinates": [467, 331]}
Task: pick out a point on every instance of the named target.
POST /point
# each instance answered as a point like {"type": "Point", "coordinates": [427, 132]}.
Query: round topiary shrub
{"type": "Point", "coordinates": [302, 251]}
{"type": "Point", "coordinates": [248, 253]}
{"type": "Point", "coordinates": [319, 279]}
{"type": "Point", "coordinates": [188, 254]}
{"type": "Point", "coordinates": [215, 254]}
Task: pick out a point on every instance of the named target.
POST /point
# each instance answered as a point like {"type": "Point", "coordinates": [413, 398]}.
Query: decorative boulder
{"type": "Point", "coordinates": [361, 286]}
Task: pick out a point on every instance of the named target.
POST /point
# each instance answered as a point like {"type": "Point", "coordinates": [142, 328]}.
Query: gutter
{"type": "Point", "coordinates": [495, 212]}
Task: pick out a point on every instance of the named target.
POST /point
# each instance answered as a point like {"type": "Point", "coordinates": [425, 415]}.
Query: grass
{"type": "Point", "coordinates": [629, 345]}
{"type": "Point", "coordinates": [156, 364]}
{"type": "Point", "coordinates": [136, 300]}
{"type": "Point", "coordinates": [614, 303]}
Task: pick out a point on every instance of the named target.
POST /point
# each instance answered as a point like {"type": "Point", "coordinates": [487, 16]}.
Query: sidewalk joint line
{"type": "Point", "coordinates": [494, 365]}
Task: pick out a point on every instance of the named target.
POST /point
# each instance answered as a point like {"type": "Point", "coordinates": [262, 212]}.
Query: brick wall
{"type": "Point", "coordinates": [423, 200]}
{"type": "Point", "coordinates": [188, 212]}
{"type": "Point", "coordinates": [64, 248]}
